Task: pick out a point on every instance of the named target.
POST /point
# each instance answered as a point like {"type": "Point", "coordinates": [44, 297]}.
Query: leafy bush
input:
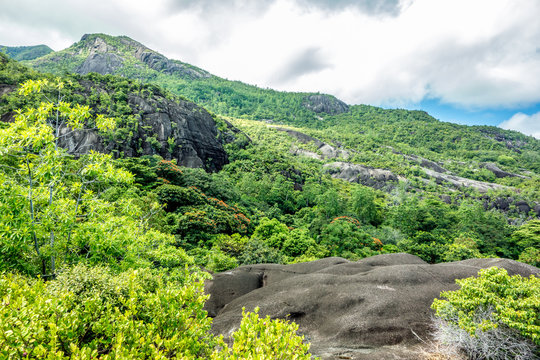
{"type": "Point", "coordinates": [494, 309]}
{"type": "Point", "coordinates": [344, 235]}
{"type": "Point", "coordinates": [530, 256]}
{"type": "Point", "coordinates": [297, 243]}
{"type": "Point", "coordinates": [528, 235]}
{"type": "Point", "coordinates": [90, 313]}
{"type": "Point", "coordinates": [176, 196]}
{"type": "Point", "coordinates": [265, 339]}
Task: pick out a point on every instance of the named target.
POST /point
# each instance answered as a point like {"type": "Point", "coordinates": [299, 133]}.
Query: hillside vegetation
{"type": "Point", "coordinates": [26, 52]}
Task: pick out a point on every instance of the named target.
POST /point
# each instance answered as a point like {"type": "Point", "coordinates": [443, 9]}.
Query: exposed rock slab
{"type": "Point", "coordinates": [459, 181]}
{"type": "Point", "coordinates": [365, 175]}
{"type": "Point", "coordinates": [325, 104]}
{"type": "Point", "coordinates": [426, 163]}
{"type": "Point", "coordinates": [327, 151]}
{"type": "Point", "coordinates": [101, 63]}
{"type": "Point", "coordinates": [364, 310]}
{"type": "Point", "coordinates": [499, 172]}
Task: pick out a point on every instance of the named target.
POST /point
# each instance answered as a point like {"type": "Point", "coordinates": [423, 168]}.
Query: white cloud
{"type": "Point", "coordinates": [472, 54]}
{"type": "Point", "coordinates": [527, 124]}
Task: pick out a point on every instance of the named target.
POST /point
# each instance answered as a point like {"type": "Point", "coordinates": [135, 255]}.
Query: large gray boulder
{"type": "Point", "coordinates": [372, 308]}
{"type": "Point", "coordinates": [327, 151]}
{"type": "Point", "coordinates": [500, 173]}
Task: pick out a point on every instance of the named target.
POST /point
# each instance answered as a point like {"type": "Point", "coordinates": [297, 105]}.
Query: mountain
{"type": "Point", "coordinates": [26, 52]}
{"type": "Point", "coordinates": [402, 144]}
{"type": "Point", "coordinates": [123, 56]}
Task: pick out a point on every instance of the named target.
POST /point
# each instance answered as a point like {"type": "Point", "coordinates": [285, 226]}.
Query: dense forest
{"type": "Point", "coordinates": [130, 240]}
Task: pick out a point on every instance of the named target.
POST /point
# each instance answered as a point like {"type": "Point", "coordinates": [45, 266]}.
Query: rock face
{"type": "Point", "coordinates": [325, 104]}
{"type": "Point", "coordinates": [169, 127]}
{"type": "Point", "coordinates": [459, 181]}
{"type": "Point", "coordinates": [500, 173]}
{"type": "Point", "coordinates": [173, 129]}
{"type": "Point", "coordinates": [100, 63]}
{"type": "Point", "coordinates": [376, 178]}
{"type": "Point", "coordinates": [102, 57]}
{"type": "Point", "coordinates": [426, 163]}
{"type": "Point", "coordinates": [327, 151]}
{"type": "Point", "coordinates": [366, 309]}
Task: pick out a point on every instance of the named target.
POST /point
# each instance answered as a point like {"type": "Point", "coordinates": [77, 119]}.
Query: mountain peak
{"type": "Point", "coordinates": [119, 55]}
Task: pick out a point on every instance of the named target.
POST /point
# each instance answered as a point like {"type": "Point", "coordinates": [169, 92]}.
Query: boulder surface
{"type": "Point", "coordinates": [373, 308]}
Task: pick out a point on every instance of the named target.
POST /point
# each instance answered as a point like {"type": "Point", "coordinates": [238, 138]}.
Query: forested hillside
{"type": "Point", "coordinates": [26, 52]}
{"type": "Point", "coordinates": [127, 193]}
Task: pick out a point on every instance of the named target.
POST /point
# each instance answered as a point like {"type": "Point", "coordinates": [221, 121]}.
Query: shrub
{"type": "Point", "coordinates": [265, 339]}
{"type": "Point", "coordinates": [218, 261]}
{"type": "Point", "coordinates": [231, 244]}
{"type": "Point", "coordinates": [344, 235]}
{"type": "Point", "coordinates": [175, 196]}
{"type": "Point", "coordinates": [297, 243]}
{"type": "Point", "coordinates": [499, 312]}
{"type": "Point", "coordinates": [530, 256]}
{"type": "Point", "coordinates": [90, 313]}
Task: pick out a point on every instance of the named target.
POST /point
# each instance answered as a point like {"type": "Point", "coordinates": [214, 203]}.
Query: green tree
{"type": "Point", "coordinates": [528, 235]}
{"type": "Point", "coordinates": [39, 177]}
{"type": "Point", "coordinates": [366, 206]}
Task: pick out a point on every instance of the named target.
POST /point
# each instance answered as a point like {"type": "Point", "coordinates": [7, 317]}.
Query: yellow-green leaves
{"type": "Point", "coordinates": [32, 87]}
{"type": "Point", "coordinates": [105, 124]}
{"type": "Point", "coordinates": [264, 338]}
{"type": "Point", "coordinates": [90, 313]}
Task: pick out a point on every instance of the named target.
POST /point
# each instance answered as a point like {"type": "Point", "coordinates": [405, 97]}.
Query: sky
{"type": "Point", "coordinates": [474, 62]}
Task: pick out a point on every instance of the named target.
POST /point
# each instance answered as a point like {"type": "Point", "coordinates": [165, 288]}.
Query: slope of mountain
{"type": "Point", "coordinates": [410, 144]}
{"type": "Point", "coordinates": [150, 121]}
{"type": "Point", "coordinates": [26, 52]}
{"type": "Point", "coordinates": [123, 56]}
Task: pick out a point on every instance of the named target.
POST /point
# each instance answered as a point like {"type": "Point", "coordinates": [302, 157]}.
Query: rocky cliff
{"type": "Point", "coordinates": [150, 122]}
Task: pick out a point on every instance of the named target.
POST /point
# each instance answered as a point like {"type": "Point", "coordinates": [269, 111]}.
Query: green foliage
{"type": "Point", "coordinates": [366, 206]}
{"type": "Point", "coordinates": [464, 247]}
{"type": "Point", "coordinates": [528, 235]}
{"type": "Point", "coordinates": [297, 243]}
{"type": "Point", "coordinates": [174, 196]}
{"type": "Point", "coordinates": [26, 52]}
{"type": "Point", "coordinates": [430, 247]}
{"type": "Point", "coordinates": [530, 256]}
{"type": "Point", "coordinates": [273, 232]}
{"type": "Point", "coordinates": [512, 301]}
{"type": "Point", "coordinates": [258, 252]}
{"type": "Point", "coordinates": [344, 236]}
{"type": "Point", "coordinates": [88, 313]}
{"type": "Point", "coordinates": [263, 338]}
{"type": "Point", "coordinates": [506, 160]}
